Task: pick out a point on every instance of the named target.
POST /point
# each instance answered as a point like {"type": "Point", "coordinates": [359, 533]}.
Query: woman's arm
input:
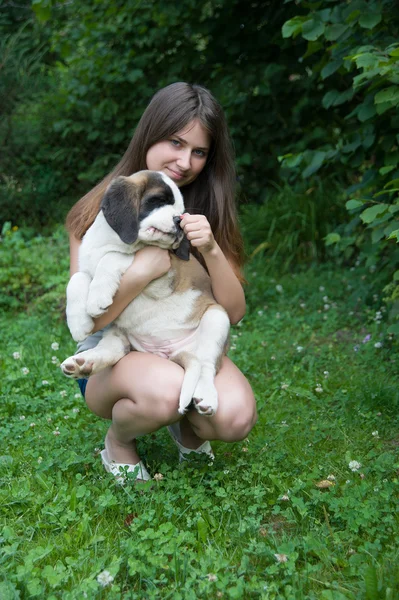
{"type": "Point", "coordinates": [226, 287]}
{"type": "Point", "coordinates": [149, 263]}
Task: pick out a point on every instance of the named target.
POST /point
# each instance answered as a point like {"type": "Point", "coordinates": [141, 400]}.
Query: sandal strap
{"type": "Point", "coordinates": [119, 470]}
{"type": "Point", "coordinates": [175, 434]}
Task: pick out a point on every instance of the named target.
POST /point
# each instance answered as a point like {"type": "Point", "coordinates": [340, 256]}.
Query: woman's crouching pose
{"type": "Point", "coordinates": [183, 134]}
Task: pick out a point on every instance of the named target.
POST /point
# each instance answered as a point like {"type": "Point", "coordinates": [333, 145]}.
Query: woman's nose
{"type": "Point", "coordinates": [183, 160]}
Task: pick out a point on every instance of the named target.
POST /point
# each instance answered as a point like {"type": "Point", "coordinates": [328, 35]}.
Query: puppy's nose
{"type": "Point", "coordinates": [177, 221]}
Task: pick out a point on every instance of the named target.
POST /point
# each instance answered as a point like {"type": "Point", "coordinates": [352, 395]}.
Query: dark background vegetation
{"type": "Point", "coordinates": [310, 90]}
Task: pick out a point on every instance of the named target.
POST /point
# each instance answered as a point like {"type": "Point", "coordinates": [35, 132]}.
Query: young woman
{"type": "Point", "coordinates": [182, 133]}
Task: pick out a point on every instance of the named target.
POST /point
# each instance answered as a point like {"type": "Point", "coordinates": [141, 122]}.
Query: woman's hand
{"type": "Point", "coordinates": [198, 232]}
{"type": "Point", "coordinates": [150, 263]}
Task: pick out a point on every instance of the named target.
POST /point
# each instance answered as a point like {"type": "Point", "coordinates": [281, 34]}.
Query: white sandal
{"type": "Point", "coordinates": [175, 434]}
{"type": "Point", "coordinates": [119, 470]}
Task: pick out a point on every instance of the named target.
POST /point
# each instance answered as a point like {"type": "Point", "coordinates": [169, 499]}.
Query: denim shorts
{"type": "Point", "coordinates": [82, 384]}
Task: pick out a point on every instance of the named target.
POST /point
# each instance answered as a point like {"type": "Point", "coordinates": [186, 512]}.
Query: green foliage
{"type": "Point", "coordinates": [290, 225]}
{"type": "Point", "coordinates": [104, 63]}
{"type": "Point", "coordinates": [355, 57]}
{"type": "Point", "coordinates": [32, 268]}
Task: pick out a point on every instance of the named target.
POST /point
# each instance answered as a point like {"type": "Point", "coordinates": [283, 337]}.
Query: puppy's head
{"type": "Point", "coordinates": [146, 207]}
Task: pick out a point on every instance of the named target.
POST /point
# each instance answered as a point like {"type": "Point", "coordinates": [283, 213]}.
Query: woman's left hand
{"type": "Point", "coordinates": [198, 232]}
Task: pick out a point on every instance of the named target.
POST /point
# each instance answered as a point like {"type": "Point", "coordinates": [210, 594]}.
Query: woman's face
{"type": "Point", "coordinates": [182, 156]}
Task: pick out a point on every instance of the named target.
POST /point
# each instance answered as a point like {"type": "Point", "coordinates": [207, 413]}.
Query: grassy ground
{"type": "Point", "coordinates": [306, 508]}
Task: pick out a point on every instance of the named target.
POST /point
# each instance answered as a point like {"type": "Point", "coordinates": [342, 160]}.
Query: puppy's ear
{"type": "Point", "coordinates": [119, 206]}
{"type": "Point", "coordinates": [183, 251]}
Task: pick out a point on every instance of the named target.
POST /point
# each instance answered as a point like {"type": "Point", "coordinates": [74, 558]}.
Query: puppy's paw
{"type": "Point", "coordinates": [80, 327]}
{"type": "Point", "coordinates": [205, 398]}
{"type": "Point", "coordinates": [77, 366]}
{"type": "Point", "coordinates": [98, 302]}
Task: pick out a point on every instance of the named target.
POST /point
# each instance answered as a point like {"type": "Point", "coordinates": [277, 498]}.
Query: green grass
{"type": "Point", "coordinates": [212, 531]}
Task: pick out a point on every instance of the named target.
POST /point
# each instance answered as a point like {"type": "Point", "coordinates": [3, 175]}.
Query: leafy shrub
{"type": "Point", "coordinates": [355, 56]}
{"type": "Point", "coordinates": [33, 268]}
{"type": "Point", "coordinates": [290, 225]}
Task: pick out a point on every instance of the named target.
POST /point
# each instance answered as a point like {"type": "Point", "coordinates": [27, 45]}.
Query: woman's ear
{"type": "Point", "coordinates": [119, 206]}
{"type": "Point", "coordinates": [183, 251]}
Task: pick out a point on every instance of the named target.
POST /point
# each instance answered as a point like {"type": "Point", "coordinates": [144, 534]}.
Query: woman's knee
{"type": "Point", "coordinates": [161, 406]}
{"type": "Point", "coordinates": [237, 427]}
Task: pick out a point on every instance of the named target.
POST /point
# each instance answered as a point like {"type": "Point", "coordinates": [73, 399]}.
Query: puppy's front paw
{"type": "Point", "coordinates": [80, 328]}
{"type": "Point", "coordinates": [98, 302]}
{"type": "Point", "coordinates": [77, 366]}
{"type": "Point", "coordinates": [205, 398]}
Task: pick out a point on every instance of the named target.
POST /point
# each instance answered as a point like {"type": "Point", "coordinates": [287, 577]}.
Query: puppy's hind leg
{"type": "Point", "coordinates": [192, 368]}
{"type": "Point", "coordinates": [113, 346]}
{"type": "Point", "coordinates": [211, 344]}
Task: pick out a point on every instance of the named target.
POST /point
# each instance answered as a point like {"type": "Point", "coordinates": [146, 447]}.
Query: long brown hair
{"type": "Point", "coordinates": [213, 191]}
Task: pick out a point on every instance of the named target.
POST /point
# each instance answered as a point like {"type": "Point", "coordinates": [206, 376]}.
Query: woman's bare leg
{"type": "Point", "coordinates": [141, 394]}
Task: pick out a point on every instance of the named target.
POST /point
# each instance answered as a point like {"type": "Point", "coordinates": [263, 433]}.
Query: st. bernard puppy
{"type": "Point", "coordinates": [175, 316]}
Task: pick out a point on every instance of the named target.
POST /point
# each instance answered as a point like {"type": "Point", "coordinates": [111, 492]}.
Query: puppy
{"type": "Point", "coordinates": [175, 316]}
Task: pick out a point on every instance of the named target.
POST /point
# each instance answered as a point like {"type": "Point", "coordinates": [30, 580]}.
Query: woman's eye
{"type": "Point", "coordinates": [200, 153]}
{"type": "Point", "coordinates": [175, 142]}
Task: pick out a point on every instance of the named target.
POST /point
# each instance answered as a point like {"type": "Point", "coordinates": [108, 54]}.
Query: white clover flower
{"type": "Point", "coordinates": [54, 360]}
{"type": "Point", "coordinates": [326, 374]}
{"type": "Point", "coordinates": [272, 358]}
{"type": "Point", "coordinates": [40, 459]}
{"type": "Point", "coordinates": [45, 382]}
{"type": "Point", "coordinates": [278, 315]}
{"type": "Point", "coordinates": [299, 348]}
{"type": "Point", "coordinates": [378, 345]}
{"type": "Point", "coordinates": [374, 433]}
{"type": "Point", "coordinates": [326, 307]}
{"type": "Point", "coordinates": [32, 425]}
{"type": "Point", "coordinates": [348, 481]}
{"type": "Point", "coordinates": [158, 476]}
{"type": "Point", "coordinates": [16, 355]}
{"type": "Point", "coordinates": [63, 393]}
{"type": "Point", "coordinates": [66, 417]}
{"type": "Point", "coordinates": [49, 419]}
{"type": "Point", "coordinates": [78, 395]}
{"type": "Point", "coordinates": [104, 578]}
{"type": "Point", "coordinates": [56, 432]}
{"type": "Point", "coordinates": [55, 346]}
{"type": "Point", "coordinates": [281, 558]}
{"type": "Point", "coordinates": [378, 316]}
{"type": "Point", "coordinates": [212, 577]}
{"type": "Point", "coordinates": [25, 370]}
{"type": "Point", "coordinates": [318, 389]}
{"type": "Point", "coordinates": [354, 465]}
{"type": "Point", "coordinates": [376, 489]}
{"type": "Point", "coordinates": [331, 477]}
{"type": "Point", "coordinates": [226, 471]}
{"type": "Point", "coordinates": [260, 312]}
{"type": "Point", "coordinates": [279, 288]}
{"type": "Point", "coordinates": [284, 498]}
{"type": "Point", "coordinates": [302, 305]}
{"type": "Point", "coordinates": [22, 417]}
{"type": "Point", "coordinates": [321, 288]}
{"type": "Point", "coordinates": [284, 386]}
{"type": "Point", "coordinates": [76, 410]}
{"type": "Point", "coordinates": [325, 299]}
